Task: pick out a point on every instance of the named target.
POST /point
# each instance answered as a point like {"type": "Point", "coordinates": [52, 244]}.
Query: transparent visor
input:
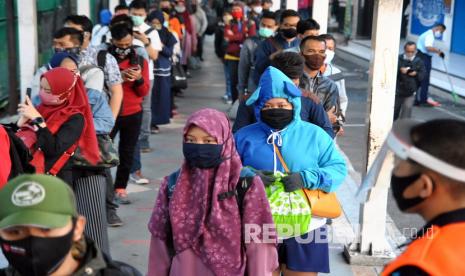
{"type": "Point", "coordinates": [403, 150]}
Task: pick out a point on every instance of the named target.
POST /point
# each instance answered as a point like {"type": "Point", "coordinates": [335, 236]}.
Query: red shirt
{"type": "Point", "coordinates": [236, 35]}
{"type": "Point", "coordinates": [134, 93]}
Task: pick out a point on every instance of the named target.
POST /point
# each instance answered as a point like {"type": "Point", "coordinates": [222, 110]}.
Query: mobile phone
{"type": "Point", "coordinates": [28, 92]}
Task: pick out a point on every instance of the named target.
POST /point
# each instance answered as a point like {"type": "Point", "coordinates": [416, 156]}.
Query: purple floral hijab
{"type": "Point", "coordinates": [195, 216]}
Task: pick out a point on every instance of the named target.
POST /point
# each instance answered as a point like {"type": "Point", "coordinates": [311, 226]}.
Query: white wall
{"type": "Point", "coordinates": [83, 7]}
{"type": "Point", "coordinates": [28, 43]}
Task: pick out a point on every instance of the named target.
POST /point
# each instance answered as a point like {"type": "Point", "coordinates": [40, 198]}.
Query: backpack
{"type": "Point", "coordinates": [242, 187]}
{"type": "Point", "coordinates": [212, 19]}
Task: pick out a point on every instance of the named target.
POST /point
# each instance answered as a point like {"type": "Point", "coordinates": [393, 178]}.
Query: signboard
{"type": "Point", "coordinates": [426, 13]}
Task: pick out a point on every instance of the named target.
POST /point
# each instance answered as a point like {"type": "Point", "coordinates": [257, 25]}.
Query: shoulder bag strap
{"type": "Point", "coordinates": [281, 159]}
{"type": "Point", "coordinates": [62, 160]}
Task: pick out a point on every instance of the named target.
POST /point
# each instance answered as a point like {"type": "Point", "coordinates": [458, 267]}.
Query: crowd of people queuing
{"type": "Point", "coordinates": [119, 78]}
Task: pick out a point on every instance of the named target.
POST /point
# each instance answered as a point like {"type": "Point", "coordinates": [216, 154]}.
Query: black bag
{"type": "Point", "coordinates": [212, 19]}
{"type": "Point", "coordinates": [178, 77]}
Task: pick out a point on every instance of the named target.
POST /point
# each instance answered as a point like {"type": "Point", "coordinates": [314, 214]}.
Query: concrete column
{"type": "Point", "coordinates": [383, 71]}
{"type": "Point", "coordinates": [27, 43]}
{"type": "Point", "coordinates": [276, 5]}
{"type": "Point", "coordinates": [291, 4]}
{"type": "Point", "coordinates": [112, 4]}
{"type": "Point", "coordinates": [320, 14]}
{"type": "Point", "coordinates": [83, 7]}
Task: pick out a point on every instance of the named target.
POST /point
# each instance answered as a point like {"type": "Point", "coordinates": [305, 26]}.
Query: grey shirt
{"type": "Point", "coordinates": [324, 88]}
{"type": "Point", "coordinates": [246, 65]}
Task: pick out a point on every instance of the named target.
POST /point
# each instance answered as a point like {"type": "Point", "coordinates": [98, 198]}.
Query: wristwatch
{"type": "Point", "coordinates": [37, 121]}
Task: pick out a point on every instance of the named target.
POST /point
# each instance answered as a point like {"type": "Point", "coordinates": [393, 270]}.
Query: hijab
{"type": "Point", "coordinates": [70, 86]}
{"type": "Point", "coordinates": [166, 37]}
{"type": "Point", "coordinates": [195, 217]}
{"type": "Point", "coordinates": [58, 58]}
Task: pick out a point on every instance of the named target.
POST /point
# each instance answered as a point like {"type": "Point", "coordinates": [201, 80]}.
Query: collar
{"type": "Point", "coordinates": [93, 260]}
{"type": "Point", "coordinates": [406, 58]}
{"type": "Point", "coordinates": [443, 219]}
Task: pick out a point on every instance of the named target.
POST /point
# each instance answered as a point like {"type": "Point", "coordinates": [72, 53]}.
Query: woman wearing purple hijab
{"type": "Point", "coordinates": [200, 224]}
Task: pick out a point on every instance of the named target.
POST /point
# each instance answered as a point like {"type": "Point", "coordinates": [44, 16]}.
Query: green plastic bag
{"type": "Point", "coordinates": [291, 211]}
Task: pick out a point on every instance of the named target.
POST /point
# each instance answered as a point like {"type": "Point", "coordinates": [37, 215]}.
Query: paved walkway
{"type": "Point", "coordinates": [130, 243]}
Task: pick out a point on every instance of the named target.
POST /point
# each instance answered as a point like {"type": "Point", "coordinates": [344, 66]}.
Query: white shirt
{"type": "Point", "coordinates": [426, 39]}
{"type": "Point", "coordinates": [155, 42]}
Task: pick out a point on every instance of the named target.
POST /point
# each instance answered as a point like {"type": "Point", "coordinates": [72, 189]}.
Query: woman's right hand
{"type": "Point", "coordinates": [22, 121]}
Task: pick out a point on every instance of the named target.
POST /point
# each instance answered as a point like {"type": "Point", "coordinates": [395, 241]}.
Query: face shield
{"type": "Point", "coordinates": [399, 143]}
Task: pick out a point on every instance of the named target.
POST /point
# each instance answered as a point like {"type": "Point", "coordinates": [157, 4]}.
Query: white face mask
{"type": "Point", "coordinates": [437, 34]}
{"type": "Point", "coordinates": [180, 9]}
{"type": "Point", "coordinates": [329, 56]}
{"type": "Point", "coordinates": [257, 9]}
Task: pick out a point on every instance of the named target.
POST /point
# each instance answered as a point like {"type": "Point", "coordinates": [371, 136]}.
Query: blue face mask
{"type": "Point", "coordinates": [202, 156]}
{"type": "Point", "coordinates": [265, 32]}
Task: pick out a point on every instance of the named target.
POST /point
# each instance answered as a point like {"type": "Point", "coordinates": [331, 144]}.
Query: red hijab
{"type": "Point", "coordinates": [68, 85]}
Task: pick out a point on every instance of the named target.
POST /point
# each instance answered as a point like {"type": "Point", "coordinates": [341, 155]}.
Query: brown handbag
{"type": "Point", "coordinates": [323, 204]}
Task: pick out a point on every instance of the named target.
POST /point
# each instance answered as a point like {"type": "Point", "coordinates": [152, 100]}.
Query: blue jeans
{"type": "Point", "coordinates": [227, 77]}
{"type": "Point", "coordinates": [422, 96]}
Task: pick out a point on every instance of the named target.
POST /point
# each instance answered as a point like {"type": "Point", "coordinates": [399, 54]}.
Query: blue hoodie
{"type": "Point", "coordinates": [306, 148]}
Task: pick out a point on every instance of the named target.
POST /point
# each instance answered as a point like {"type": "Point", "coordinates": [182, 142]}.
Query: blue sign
{"type": "Point", "coordinates": [426, 13]}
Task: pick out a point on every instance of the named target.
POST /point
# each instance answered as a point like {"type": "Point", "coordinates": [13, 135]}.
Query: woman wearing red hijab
{"type": "Point", "coordinates": [62, 122]}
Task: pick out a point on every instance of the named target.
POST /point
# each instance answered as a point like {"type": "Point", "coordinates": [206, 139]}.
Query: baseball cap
{"type": "Point", "coordinates": [37, 200]}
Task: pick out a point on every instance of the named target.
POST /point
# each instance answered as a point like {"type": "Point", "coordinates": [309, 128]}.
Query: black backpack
{"type": "Point", "coordinates": [212, 19]}
{"type": "Point", "coordinates": [242, 187]}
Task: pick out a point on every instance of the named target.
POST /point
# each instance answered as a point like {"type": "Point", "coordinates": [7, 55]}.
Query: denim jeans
{"type": "Point", "coordinates": [422, 96]}
{"type": "Point", "coordinates": [146, 119]}
{"type": "Point", "coordinates": [227, 78]}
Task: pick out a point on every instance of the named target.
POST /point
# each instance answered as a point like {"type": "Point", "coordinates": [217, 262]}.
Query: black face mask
{"type": "Point", "coordinates": [277, 118]}
{"type": "Point", "coordinates": [202, 156]}
{"type": "Point", "coordinates": [398, 186]}
{"type": "Point", "coordinates": [75, 50]}
{"type": "Point", "coordinates": [166, 10]}
{"type": "Point", "coordinates": [34, 256]}
{"type": "Point", "coordinates": [194, 8]}
{"type": "Point", "coordinates": [288, 33]}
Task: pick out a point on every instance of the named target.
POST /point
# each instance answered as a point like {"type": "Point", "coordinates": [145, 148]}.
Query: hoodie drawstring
{"type": "Point", "coordinates": [275, 135]}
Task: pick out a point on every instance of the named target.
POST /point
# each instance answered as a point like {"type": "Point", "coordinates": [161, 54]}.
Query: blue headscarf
{"type": "Point", "coordinates": [165, 35]}
{"type": "Point", "coordinates": [58, 58]}
{"type": "Point", "coordinates": [156, 15]}
{"type": "Point", "coordinates": [105, 17]}
{"type": "Point", "coordinates": [274, 84]}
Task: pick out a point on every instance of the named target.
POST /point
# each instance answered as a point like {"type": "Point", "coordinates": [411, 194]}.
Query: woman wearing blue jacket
{"type": "Point", "coordinates": [309, 153]}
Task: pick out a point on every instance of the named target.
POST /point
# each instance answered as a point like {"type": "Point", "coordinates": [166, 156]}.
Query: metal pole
{"type": "Point", "coordinates": [355, 8]}
{"type": "Point", "coordinates": [383, 72]}
{"type": "Point", "coordinates": [13, 98]}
